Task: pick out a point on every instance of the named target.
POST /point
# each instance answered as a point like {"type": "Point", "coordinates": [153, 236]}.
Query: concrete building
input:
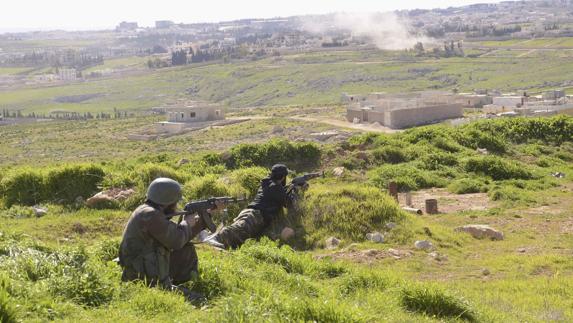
{"type": "Point", "coordinates": [164, 24]}
{"type": "Point", "coordinates": [126, 26]}
{"type": "Point", "coordinates": [190, 115]}
{"type": "Point", "coordinates": [404, 110]}
{"type": "Point", "coordinates": [67, 74]}
{"type": "Point", "coordinates": [469, 100]}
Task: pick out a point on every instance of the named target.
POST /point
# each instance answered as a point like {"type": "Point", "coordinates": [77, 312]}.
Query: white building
{"type": "Point", "coordinates": [193, 115]}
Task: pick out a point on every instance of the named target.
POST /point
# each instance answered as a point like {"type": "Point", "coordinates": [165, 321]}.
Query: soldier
{"type": "Point", "coordinates": [155, 249]}
{"type": "Point", "coordinates": [269, 202]}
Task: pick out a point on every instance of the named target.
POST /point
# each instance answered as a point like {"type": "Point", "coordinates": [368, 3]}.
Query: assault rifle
{"type": "Point", "coordinates": [302, 181]}
{"type": "Point", "coordinates": [200, 207]}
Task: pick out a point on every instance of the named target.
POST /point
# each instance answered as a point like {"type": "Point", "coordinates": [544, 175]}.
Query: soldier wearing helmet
{"type": "Point", "coordinates": [155, 249]}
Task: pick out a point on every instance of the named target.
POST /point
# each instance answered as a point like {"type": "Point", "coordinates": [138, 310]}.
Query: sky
{"type": "Point", "coordinates": [25, 15]}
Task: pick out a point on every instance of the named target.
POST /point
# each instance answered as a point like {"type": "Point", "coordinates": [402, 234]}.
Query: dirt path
{"type": "Point", "coordinates": [345, 124]}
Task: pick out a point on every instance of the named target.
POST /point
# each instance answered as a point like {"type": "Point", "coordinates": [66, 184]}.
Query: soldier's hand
{"type": "Point", "coordinates": [219, 206]}
{"type": "Point", "coordinates": [192, 219]}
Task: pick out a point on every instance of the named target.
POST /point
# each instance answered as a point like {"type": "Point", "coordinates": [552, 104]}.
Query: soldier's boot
{"type": "Point", "coordinates": [190, 296]}
{"type": "Point", "coordinates": [214, 241]}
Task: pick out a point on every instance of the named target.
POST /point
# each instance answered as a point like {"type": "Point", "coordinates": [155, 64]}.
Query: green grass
{"type": "Point", "coordinates": [302, 79]}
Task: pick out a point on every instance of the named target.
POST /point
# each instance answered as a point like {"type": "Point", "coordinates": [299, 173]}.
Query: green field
{"type": "Point", "coordinates": [302, 79]}
{"type": "Point", "coordinates": [58, 267]}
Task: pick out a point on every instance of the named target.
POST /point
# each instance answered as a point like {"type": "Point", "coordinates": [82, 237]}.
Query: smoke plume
{"type": "Point", "coordinates": [385, 30]}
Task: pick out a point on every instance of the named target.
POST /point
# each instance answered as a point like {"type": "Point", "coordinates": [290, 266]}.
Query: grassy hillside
{"type": "Point", "coordinates": [307, 79]}
{"type": "Point", "coordinates": [58, 267]}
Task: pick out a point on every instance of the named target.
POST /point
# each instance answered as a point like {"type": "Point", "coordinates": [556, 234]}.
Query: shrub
{"type": "Point", "coordinates": [352, 282]}
{"type": "Point", "coordinates": [466, 186]}
{"type": "Point", "coordinates": [146, 173]}
{"type": "Point", "coordinates": [497, 168]}
{"type": "Point", "coordinates": [204, 187]}
{"type": "Point", "coordinates": [389, 154]}
{"type": "Point", "coordinates": [69, 182]}
{"type": "Point", "coordinates": [22, 186]}
{"type": "Point", "coordinates": [84, 285]}
{"type": "Point", "coordinates": [290, 261]}
{"type": "Point", "coordinates": [436, 161]}
{"type": "Point", "coordinates": [474, 139]}
{"type": "Point", "coordinates": [7, 308]}
{"type": "Point", "coordinates": [407, 177]}
{"type": "Point", "coordinates": [435, 302]}
{"type": "Point", "coordinates": [347, 211]}
{"type": "Point", "coordinates": [274, 151]}
{"type": "Point", "coordinates": [249, 178]}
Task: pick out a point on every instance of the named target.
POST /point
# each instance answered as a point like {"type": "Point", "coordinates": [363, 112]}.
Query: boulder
{"type": "Point", "coordinates": [479, 231]}
{"type": "Point", "coordinates": [338, 171]}
{"type": "Point", "coordinates": [287, 234]}
{"type": "Point", "coordinates": [183, 161]}
{"type": "Point", "coordinates": [391, 225]}
{"type": "Point", "coordinates": [111, 196]}
{"type": "Point", "coordinates": [332, 243]}
{"type": "Point", "coordinates": [423, 245]}
{"type": "Point", "coordinates": [375, 237]}
{"type": "Point", "coordinates": [39, 211]}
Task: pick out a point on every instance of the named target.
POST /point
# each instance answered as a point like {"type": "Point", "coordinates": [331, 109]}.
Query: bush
{"type": "Point", "coordinates": [7, 308]}
{"type": "Point", "coordinates": [69, 182]}
{"type": "Point", "coordinates": [408, 177]}
{"type": "Point", "coordinates": [304, 155]}
{"type": "Point", "coordinates": [249, 178]}
{"type": "Point", "coordinates": [474, 139]}
{"type": "Point", "coordinates": [389, 154]}
{"type": "Point", "coordinates": [467, 186]}
{"type": "Point", "coordinates": [146, 173]}
{"type": "Point", "coordinates": [204, 187]}
{"type": "Point", "coordinates": [497, 168]}
{"type": "Point", "coordinates": [435, 302]}
{"type": "Point", "coordinates": [436, 161]}
{"type": "Point", "coordinates": [83, 285]}
{"type": "Point", "coordinates": [347, 211]}
{"type": "Point", "coordinates": [22, 186]}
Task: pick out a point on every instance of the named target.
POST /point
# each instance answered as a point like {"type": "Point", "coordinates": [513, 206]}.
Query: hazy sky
{"type": "Point", "coordinates": [100, 14]}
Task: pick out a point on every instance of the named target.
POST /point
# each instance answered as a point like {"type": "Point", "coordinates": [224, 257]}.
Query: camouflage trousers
{"type": "Point", "coordinates": [247, 225]}
{"type": "Point", "coordinates": [183, 265]}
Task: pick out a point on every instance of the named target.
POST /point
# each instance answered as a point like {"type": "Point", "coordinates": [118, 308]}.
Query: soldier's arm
{"type": "Point", "coordinates": [279, 195]}
{"type": "Point", "coordinates": [171, 235]}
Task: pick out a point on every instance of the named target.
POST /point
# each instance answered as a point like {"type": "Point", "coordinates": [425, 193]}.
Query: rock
{"type": "Point", "coordinates": [558, 175]}
{"type": "Point", "coordinates": [370, 252]}
{"type": "Point", "coordinates": [485, 272]}
{"type": "Point", "coordinates": [482, 151]}
{"type": "Point", "coordinates": [106, 198]}
{"type": "Point", "coordinates": [423, 245]}
{"type": "Point", "coordinates": [287, 234]}
{"type": "Point", "coordinates": [338, 171]}
{"type": "Point", "coordinates": [39, 211]}
{"type": "Point", "coordinates": [332, 243]}
{"type": "Point", "coordinates": [521, 250]}
{"type": "Point", "coordinates": [391, 225]}
{"type": "Point", "coordinates": [479, 231]}
{"type": "Point", "coordinates": [99, 199]}
{"type": "Point", "coordinates": [399, 253]}
{"type": "Point", "coordinates": [437, 256]}
{"type": "Point", "coordinates": [183, 161]}
{"type": "Point", "coordinates": [375, 237]}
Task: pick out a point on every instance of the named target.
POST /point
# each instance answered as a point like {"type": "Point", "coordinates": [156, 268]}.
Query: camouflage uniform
{"type": "Point", "coordinates": [156, 250]}
{"type": "Point", "coordinates": [260, 218]}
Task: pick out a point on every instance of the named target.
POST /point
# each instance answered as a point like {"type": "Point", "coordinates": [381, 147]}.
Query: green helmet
{"type": "Point", "coordinates": [164, 191]}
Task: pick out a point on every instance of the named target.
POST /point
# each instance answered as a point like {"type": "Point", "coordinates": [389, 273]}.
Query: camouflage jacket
{"type": "Point", "coordinates": [146, 245]}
